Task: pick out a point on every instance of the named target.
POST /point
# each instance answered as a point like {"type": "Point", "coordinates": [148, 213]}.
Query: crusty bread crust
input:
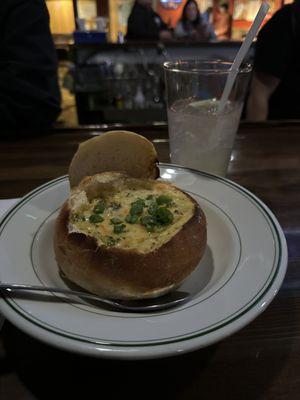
{"type": "Point", "coordinates": [126, 274]}
{"type": "Point", "coordinates": [120, 151]}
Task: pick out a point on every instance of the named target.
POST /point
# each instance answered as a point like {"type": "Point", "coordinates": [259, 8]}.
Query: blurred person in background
{"type": "Point", "coordinates": [222, 22]}
{"type": "Point", "coordinates": [208, 15]}
{"type": "Point", "coordinates": [29, 92]}
{"type": "Point", "coordinates": [275, 86]}
{"type": "Point", "coordinates": [145, 24]}
{"type": "Point", "coordinates": [193, 25]}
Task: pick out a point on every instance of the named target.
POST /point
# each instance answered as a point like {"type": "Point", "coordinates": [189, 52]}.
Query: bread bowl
{"type": "Point", "coordinates": [127, 237]}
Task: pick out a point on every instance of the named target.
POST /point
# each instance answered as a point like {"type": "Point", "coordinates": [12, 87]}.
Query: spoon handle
{"type": "Point", "coordinates": [12, 287]}
{"type": "Point", "coordinates": [147, 305]}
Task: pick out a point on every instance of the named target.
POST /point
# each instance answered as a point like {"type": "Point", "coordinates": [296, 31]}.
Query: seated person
{"type": "Point", "coordinates": [145, 24]}
{"type": "Point", "coordinates": [223, 22]}
{"type": "Point", "coordinates": [29, 92]}
{"type": "Point", "coordinates": [192, 25]}
{"type": "Point", "coordinates": [208, 14]}
{"type": "Point", "coordinates": [275, 86]}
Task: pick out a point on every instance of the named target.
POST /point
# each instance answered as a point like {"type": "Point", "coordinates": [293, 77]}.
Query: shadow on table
{"type": "Point", "coordinates": [50, 373]}
{"type": "Point", "coordinates": [241, 367]}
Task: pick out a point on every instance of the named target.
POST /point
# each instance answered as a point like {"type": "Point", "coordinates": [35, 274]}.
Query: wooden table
{"type": "Point", "coordinates": [262, 361]}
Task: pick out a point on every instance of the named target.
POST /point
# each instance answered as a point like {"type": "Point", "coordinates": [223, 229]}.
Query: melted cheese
{"type": "Point", "coordinates": [135, 236]}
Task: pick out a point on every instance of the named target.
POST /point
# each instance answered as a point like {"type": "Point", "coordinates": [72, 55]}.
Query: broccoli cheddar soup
{"type": "Point", "coordinates": [140, 219]}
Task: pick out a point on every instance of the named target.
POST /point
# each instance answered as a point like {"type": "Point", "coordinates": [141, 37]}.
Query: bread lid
{"type": "Point", "coordinates": [121, 151]}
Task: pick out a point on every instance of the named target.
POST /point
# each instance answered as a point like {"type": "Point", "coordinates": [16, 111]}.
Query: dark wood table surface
{"type": "Point", "coordinates": [261, 361]}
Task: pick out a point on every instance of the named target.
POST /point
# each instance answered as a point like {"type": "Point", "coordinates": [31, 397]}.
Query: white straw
{"type": "Point", "coordinates": [262, 12]}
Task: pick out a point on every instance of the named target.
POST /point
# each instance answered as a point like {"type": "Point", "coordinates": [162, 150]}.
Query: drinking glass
{"type": "Point", "coordinates": [201, 136]}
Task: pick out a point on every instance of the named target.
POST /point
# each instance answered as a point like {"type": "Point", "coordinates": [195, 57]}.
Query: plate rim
{"type": "Point", "coordinates": [239, 320]}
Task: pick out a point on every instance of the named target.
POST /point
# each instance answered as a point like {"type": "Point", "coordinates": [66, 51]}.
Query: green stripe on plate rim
{"type": "Point", "coordinates": [221, 324]}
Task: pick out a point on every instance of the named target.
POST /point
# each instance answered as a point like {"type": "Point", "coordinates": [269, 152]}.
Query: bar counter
{"type": "Point", "coordinates": [261, 361]}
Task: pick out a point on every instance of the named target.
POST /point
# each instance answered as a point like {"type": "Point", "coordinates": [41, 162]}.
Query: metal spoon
{"type": "Point", "coordinates": [171, 299]}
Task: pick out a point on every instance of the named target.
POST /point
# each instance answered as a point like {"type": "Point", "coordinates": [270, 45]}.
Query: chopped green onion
{"type": "Point", "coordinates": [119, 228]}
{"type": "Point", "coordinates": [164, 216]}
{"type": "Point", "coordinates": [163, 199]}
{"type": "Point", "coordinates": [115, 221]}
{"type": "Point", "coordinates": [141, 201]}
{"type": "Point", "coordinates": [131, 219]}
{"type": "Point", "coordinates": [136, 208]}
{"type": "Point", "coordinates": [99, 207]}
{"type": "Point", "coordinates": [152, 209]}
{"type": "Point", "coordinates": [149, 227]}
{"type": "Point", "coordinates": [148, 220]}
{"type": "Point", "coordinates": [95, 218]}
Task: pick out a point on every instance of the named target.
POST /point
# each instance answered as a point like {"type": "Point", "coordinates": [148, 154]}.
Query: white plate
{"type": "Point", "coordinates": [241, 272]}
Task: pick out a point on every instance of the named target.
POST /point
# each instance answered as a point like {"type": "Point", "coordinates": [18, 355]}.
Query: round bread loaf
{"type": "Point", "coordinates": [121, 151]}
{"type": "Point", "coordinates": [128, 238]}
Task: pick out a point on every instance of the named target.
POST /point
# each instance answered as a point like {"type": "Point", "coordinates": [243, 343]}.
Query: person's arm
{"type": "Point", "coordinates": [29, 92]}
{"type": "Point", "coordinates": [262, 87]}
{"type": "Point", "coordinates": [273, 54]}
